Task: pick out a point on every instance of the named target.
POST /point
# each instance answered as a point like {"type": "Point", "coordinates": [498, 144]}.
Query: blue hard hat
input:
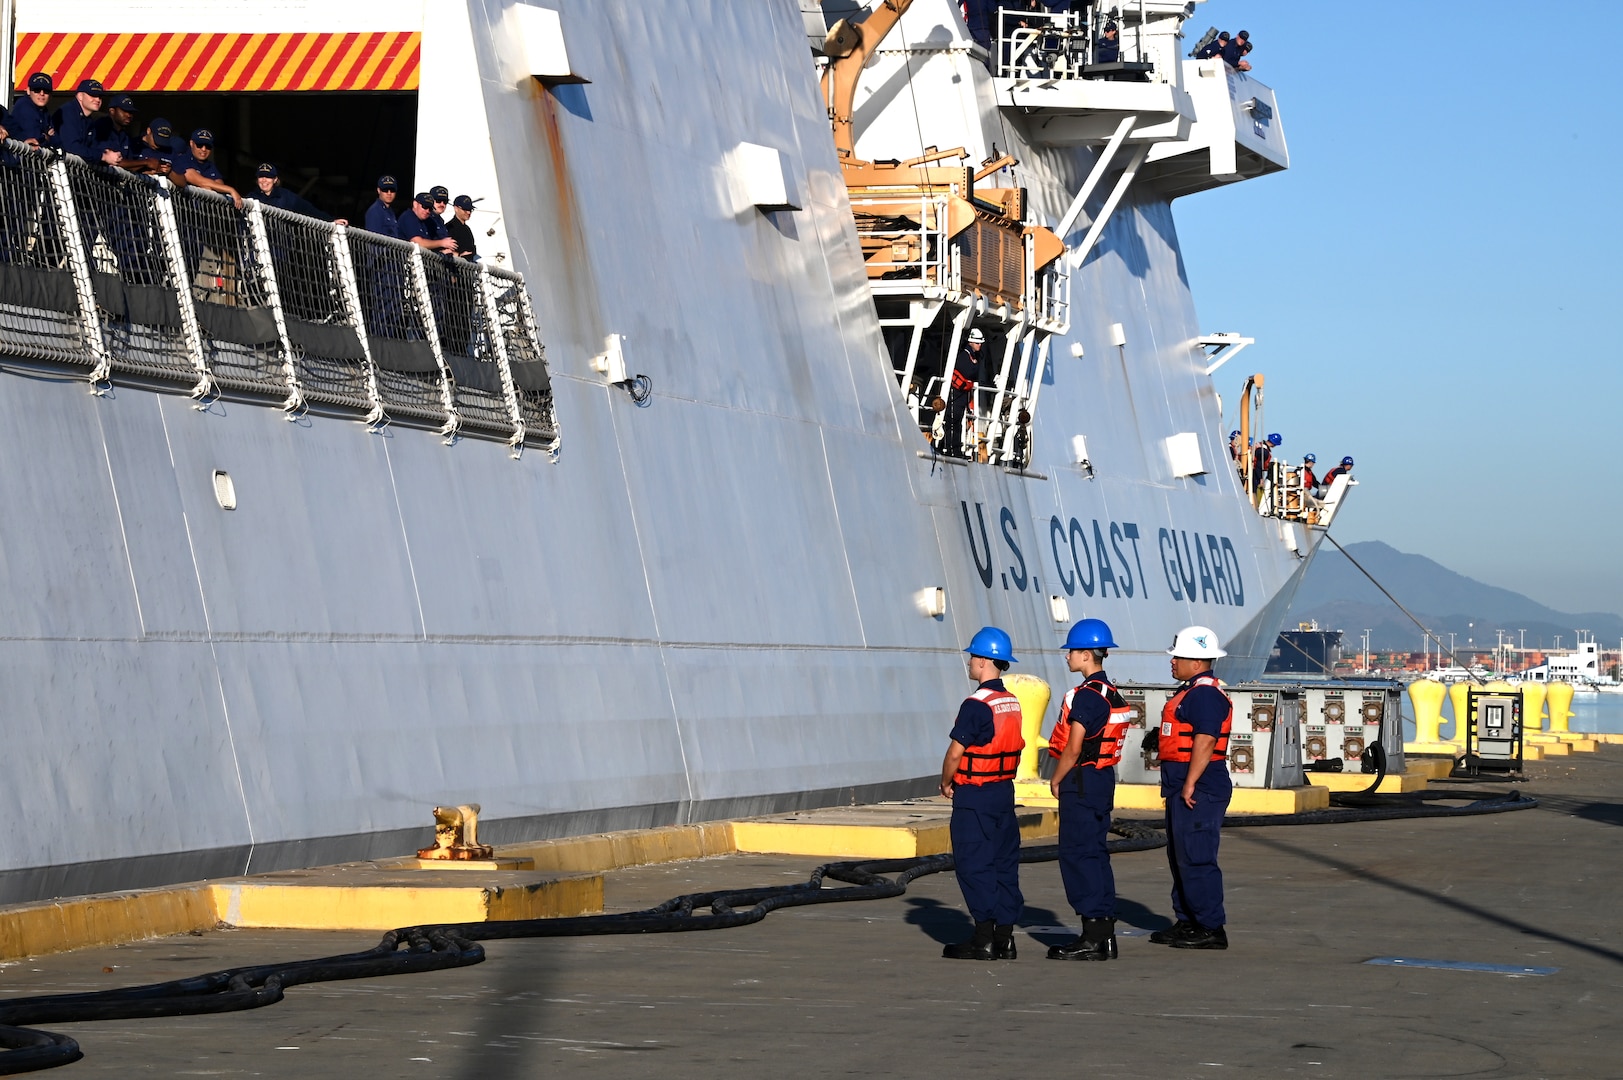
{"type": "Point", "coordinates": [1310, 458]}
{"type": "Point", "coordinates": [993, 644]}
{"type": "Point", "coordinates": [1089, 634]}
{"type": "Point", "coordinates": [1276, 438]}
{"type": "Point", "coordinates": [1347, 461]}
{"type": "Point", "coordinates": [1234, 434]}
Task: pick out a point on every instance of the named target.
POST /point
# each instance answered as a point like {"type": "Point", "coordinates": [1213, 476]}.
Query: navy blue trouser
{"type": "Point", "coordinates": [1084, 830]}
{"type": "Point", "coordinates": [1192, 836]}
{"type": "Point", "coordinates": [986, 852]}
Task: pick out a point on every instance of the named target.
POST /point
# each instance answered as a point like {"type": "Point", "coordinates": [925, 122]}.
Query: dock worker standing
{"type": "Point", "coordinates": [966, 372]}
{"type": "Point", "coordinates": [1087, 740]}
{"type": "Point", "coordinates": [977, 774]}
{"type": "Point", "coordinates": [1195, 784]}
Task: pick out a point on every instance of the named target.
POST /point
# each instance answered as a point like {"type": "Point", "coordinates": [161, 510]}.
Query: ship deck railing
{"type": "Point", "coordinates": [1060, 46]}
{"type": "Point", "coordinates": [124, 276]}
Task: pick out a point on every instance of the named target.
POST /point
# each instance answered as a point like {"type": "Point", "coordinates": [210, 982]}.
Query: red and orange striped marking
{"type": "Point", "coordinates": [380, 60]}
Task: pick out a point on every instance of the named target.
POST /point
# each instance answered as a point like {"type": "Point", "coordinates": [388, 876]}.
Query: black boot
{"type": "Point", "coordinates": [1003, 943]}
{"type": "Point", "coordinates": [978, 947]}
{"type": "Point", "coordinates": [1098, 942]}
{"type": "Point", "coordinates": [1202, 937]}
{"type": "Point", "coordinates": [1179, 929]}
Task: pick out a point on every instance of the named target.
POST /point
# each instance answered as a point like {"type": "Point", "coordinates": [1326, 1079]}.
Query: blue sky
{"type": "Point", "coordinates": [1434, 284]}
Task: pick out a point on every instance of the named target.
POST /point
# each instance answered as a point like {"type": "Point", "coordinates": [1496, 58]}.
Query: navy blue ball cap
{"type": "Point", "coordinates": [267, 169]}
{"type": "Point", "coordinates": [40, 81]}
{"type": "Point", "coordinates": [91, 86]}
{"type": "Point", "coordinates": [440, 193]}
{"type": "Point", "coordinates": [462, 202]}
{"type": "Point", "coordinates": [161, 128]}
{"type": "Point", "coordinates": [387, 183]}
{"type": "Point", "coordinates": [123, 102]}
{"type": "Point", "coordinates": [203, 137]}
{"type": "Point", "coordinates": [425, 200]}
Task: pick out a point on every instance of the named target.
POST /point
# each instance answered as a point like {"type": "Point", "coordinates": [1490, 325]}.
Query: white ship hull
{"type": "Point", "coordinates": [703, 607]}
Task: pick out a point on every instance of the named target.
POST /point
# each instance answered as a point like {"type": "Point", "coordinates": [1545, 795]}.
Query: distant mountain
{"type": "Point", "coordinates": [1340, 598]}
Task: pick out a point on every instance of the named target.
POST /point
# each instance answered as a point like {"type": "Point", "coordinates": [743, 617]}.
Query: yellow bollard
{"type": "Point", "coordinates": [1533, 705]}
{"type": "Point", "coordinates": [1427, 696]}
{"type": "Point", "coordinates": [1500, 685]}
{"type": "Point", "coordinates": [1456, 698]}
{"type": "Point", "coordinates": [1559, 697]}
{"type": "Point", "coordinates": [1033, 694]}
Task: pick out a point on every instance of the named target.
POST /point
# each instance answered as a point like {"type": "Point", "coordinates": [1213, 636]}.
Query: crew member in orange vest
{"type": "Point", "coordinates": [1087, 740]}
{"type": "Point", "coordinates": [978, 776]}
{"type": "Point", "coordinates": [1195, 783]}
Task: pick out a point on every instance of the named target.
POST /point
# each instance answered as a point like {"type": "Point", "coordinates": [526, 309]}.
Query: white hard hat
{"type": "Point", "coordinates": [1196, 643]}
{"type": "Point", "coordinates": [975, 336]}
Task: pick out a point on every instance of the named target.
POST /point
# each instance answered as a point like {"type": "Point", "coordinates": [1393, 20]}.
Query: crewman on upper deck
{"type": "Point", "coordinates": [966, 373]}
{"type": "Point", "coordinates": [423, 227]}
{"type": "Point", "coordinates": [1234, 52]}
{"type": "Point", "coordinates": [76, 121]}
{"type": "Point", "coordinates": [270, 191]}
{"type": "Point", "coordinates": [462, 210]}
{"type": "Point", "coordinates": [1214, 47]}
{"type": "Point", "coordinates": [158, 141]}
{"type": "Point", "coordinates": [29, 120]}
{"type": "Point", "coordinates": [1262, 460]}
{"type": "Point", "coordinates": [380, 216]}
{"type": "Point", "coordinates": [116, 142]}
{"type": "Point", "coordinates": [197, 165]}
{"type": "Point", "coordinates": [1345, 467]}
{"type": "Point", "coordinates": [977, 774]}
{"type": "Point", "coordinates": [1107, 49]}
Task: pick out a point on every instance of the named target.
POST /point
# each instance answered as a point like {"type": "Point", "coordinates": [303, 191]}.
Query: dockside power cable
{"type": "Point", "coordinates": [438, 947]}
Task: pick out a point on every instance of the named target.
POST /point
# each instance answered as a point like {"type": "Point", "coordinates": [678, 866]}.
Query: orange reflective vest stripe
{"type": "Point", "coordinates": [998, 759]}
{"type": "Point", "coordinates": [1177, 741]}
{"type": "Point", "coordinates": [1104, 749]}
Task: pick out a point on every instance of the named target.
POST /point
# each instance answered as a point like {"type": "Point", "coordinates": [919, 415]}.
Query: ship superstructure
{"type": "Point", "coordinates": [640, 519]}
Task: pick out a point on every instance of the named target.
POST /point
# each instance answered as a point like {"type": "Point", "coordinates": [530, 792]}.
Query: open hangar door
{"type": "Point", "coordinates": [332, 110]}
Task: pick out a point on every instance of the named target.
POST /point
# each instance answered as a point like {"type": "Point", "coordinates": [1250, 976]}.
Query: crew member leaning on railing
{"type": "Point", "coordinates": [199, 169]}
{"type": "Point", "coordinates": [272, 193]}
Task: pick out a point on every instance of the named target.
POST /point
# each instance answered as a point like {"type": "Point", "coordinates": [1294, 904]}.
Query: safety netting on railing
{"type": "Point", "coordinates": [456, 293]}
{"type": "Point", "coordinates": [134, 280]}
{"type": "Point", "coordinates": [319, 309]}
{"type": "Point", "coordinates": [229, 294]}
{"type": "Point", "coordinates": [121, 273]}
{"type": "Point", "coordinates": [410, 381]}
{"type": "Point", "coordinates": [39, 300]}
{"type": "Point", "coordinates": [526, 357]}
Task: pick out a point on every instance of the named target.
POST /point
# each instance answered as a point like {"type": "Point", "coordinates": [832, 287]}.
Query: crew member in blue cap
{"type": "Point", "coordinates": [268, 182]}
{"type": "Point", "coordinates": [460, 231]}
{"type": "Point", "coordinates": [1087, 740]}
{"type": "Point", "coordinates": [116, 142]}
{"type": "Point", "coordinates": [198, 166]}
{"type": "Point", "coordinates": [422, 226]}
{"type": "Point", "coordinates": [380, 216]}
{"type": "Point", "coordinates": [30, 121]}
{"type": "Point", "coordinates": [76, 121]}
{"type": "Point", "coordinates": [439, 195]}
{"type": "Point", "coordinates": [977, 774]}
{"type": "Point", "coordinates": [158, 147]}
{"type": "Point", "coordinates": [1195, 783]}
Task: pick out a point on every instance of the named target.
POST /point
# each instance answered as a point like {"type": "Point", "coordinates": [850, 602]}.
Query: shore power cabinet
{"type": "Point", "coordinates": [1493, 732]}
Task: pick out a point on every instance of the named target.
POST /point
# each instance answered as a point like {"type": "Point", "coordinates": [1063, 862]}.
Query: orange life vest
{"type": "Point", "coordinates": [1104, 749]}
{"type": "Point", "coordinates": [998, 759]}
{"type": "Point", "coordinates": [1178, 737]}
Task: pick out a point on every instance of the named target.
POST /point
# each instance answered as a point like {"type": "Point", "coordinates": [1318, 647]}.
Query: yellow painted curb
{"type": "Point", "coordinates": [1391, 784]}
{"type": "Point", "coordinates": [53, 926]}
{"type": "Point", "coordinates": [1450, 750]}
{"type": "Point", "coordinates": [287, 906]}
{"type": "Point", "coordinates": [1244, 801]}
{"type": "Point", "coordinates": [1554, 749]}
{"type": "Point", "coordinates": [841, 841]}
{"type": "Point", "coordinates": [639, 847]}
{"type": "Point", "coordinates": [1434, 768]}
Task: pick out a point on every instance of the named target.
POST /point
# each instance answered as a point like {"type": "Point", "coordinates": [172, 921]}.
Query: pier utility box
{"type": "Point", "coordinates": [1493, 733]}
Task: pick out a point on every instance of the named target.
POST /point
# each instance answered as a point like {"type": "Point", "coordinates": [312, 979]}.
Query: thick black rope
{"type": "Point", "coordinates": [437, 947]}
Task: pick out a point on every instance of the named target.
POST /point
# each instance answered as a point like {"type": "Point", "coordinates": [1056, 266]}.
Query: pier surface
{"type": "Point", "coordinates": [860, 988]}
